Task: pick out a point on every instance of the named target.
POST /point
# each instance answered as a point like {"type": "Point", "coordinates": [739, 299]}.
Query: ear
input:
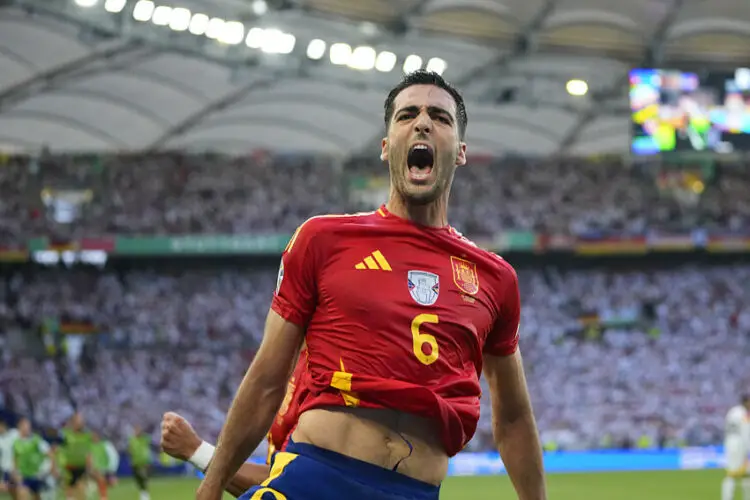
{"type": "Point", "coordinates": [461, 156]}
{"type": "Point", "coordinates": [384, 149]}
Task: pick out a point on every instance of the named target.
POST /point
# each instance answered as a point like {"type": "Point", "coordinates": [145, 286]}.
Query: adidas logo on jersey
{"type": "Point", "coordinates": [375, 261]}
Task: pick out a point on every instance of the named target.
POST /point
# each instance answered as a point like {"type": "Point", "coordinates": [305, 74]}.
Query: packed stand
{"type": "Point", "coordinates": [196, 309]}
{"type": "Point", "coordinates": [171, 194]}
{"type": "Point", "coordinates": [15, 212]}
{"type": "Point", "coordinates": [674, 367]}
{"type": "Point", "coordinates": [673, 358]}
{"type": "Point", "coordinates": [165, 195]}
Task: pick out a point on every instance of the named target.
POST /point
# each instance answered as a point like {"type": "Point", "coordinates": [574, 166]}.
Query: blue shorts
{"type": "Point", "coordinates": [75, 475]}
{"type": "Point", "coordinates": [7, 478]}
{"type": "Point", "coordinates": [34, 485]}
{"type": "Point", "coordinates": [306, 472]}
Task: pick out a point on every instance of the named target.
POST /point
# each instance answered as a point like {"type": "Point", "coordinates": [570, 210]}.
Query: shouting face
{"type": "Point", "coordinates": [423, 147]}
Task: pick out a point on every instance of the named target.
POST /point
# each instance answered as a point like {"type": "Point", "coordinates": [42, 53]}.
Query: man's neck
{"type": "Point", "coordinates": [433, 214]}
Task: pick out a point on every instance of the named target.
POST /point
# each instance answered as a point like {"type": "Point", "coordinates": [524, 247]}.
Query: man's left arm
{"type": "Point", "coordinates": [513, 425]}
{"type": "Point", "coordinates": [179, 440]}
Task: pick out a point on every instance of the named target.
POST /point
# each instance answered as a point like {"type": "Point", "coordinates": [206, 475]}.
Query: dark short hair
{"type": "Point", "coordinates": [423, 77]}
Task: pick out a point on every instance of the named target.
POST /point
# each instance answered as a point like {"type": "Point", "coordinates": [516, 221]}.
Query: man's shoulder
{"type": "Point", "coordinates": [487, 258]}
{"type": "Point", "coordinates": [321, 225]}
{"type": "Point", "coordinates": [334, 220]}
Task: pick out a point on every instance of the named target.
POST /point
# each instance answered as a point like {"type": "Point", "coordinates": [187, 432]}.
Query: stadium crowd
{"type": "Point", "coordinates": [667, 362]}
{"type": "Point", "coordinates": [664, 355]}
{"type": "Point", "coordinates": [188, 194]}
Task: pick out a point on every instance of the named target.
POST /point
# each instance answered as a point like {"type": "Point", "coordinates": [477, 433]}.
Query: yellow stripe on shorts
{"type": "Point", "coordinates": [281, 460]}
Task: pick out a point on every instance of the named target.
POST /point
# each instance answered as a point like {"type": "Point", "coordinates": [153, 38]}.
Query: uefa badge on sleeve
{"type": "Point", "coordinates": [424, 287]}
{"type": "Point", "coordinates": [280, 277]}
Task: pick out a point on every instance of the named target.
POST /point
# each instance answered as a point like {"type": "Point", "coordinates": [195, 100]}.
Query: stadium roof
{"type": "Point", "coordinates": [142, 75]}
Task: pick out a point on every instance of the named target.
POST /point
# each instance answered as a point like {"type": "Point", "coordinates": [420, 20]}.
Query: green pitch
{"type": "Point", "coordinates": [688, 485]}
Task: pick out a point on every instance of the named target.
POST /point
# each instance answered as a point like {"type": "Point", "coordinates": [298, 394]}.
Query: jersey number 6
{"type": "Point", "coordinates": [420, 339]}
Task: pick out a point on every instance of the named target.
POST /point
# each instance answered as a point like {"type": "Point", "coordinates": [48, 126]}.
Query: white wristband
{"type": "Point", "coordinates": [203, 456]}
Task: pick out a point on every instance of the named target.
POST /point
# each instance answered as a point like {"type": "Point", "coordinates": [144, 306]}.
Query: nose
{"type": "Point", "coordinates": [423, 124]}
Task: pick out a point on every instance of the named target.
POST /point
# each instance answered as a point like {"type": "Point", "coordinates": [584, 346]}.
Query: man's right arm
{"type": "Point", "coordinates": [264, 386]}
{"type": "Point", "coordinates": [255, 404]}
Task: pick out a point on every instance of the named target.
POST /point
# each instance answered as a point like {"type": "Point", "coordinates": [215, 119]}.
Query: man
{"type": "Point", "coordinates": [736, 449]}
{"type": "Point", "coordinates": [52, 437]}
{"type": "Point", "coordinates": [7, 438]}
{"type": "Point", "coordinates": [393, 373]}
{"type": "Point", "coordinates": [55, 438]}
{"type": "Point", "coordinates": [30, 453]}
{"type": "Point", "coordinates": [179, 439]}
{"type": "Point", "coordinates": [139, 450]}
{"type": "Point", "coordinates": [76, 446]}
{"type": "Point", "coordinates": [104, 463]}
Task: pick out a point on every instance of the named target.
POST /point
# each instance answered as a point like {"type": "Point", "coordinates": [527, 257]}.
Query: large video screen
{"type": "Point", "coordinates": [682, 111]}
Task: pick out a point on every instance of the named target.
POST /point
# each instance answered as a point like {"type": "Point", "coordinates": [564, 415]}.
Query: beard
{"type": "Point", "coordinates": [420, 197]}
{"type": "Point", "coordinates": [416, 194]}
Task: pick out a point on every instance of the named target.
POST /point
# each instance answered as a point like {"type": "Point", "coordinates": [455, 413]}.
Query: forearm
{"type": "Point", "coordinates": [248, 476]}
{"type": "Point", "coordinates": [247, 423]}
{"type": "Point", "coordinates": [519, 446]}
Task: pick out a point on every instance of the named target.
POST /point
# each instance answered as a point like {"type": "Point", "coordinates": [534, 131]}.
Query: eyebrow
{"type": "Point", "coordinates": [430, 109]}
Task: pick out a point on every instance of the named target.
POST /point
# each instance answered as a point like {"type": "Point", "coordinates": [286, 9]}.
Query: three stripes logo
{"type": "Point", "coordinates": [375, 261]}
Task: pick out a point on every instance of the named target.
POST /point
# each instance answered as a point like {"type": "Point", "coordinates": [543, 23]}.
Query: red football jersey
{"type": "Point", "coordinates": [397, 315]}
{"type": "Point", "coordinates": [288, 414]}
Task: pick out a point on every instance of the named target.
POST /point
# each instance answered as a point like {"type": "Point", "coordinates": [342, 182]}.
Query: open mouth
{"type": "Point", "coordinates": [420, 161]}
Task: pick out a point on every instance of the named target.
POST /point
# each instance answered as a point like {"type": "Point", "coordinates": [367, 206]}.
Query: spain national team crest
{"type": "Point", "coordinates": [424, 287]}
{"type": "Point", "coordinates": [465, 275]}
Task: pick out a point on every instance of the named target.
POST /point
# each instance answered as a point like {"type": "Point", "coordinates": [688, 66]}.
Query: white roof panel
{"type": "Point", "coordinates": [101, 91]}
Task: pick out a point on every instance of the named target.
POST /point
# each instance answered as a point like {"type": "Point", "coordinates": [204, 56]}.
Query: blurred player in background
{"type": "Point", "coordinates": [104, 463]}
{"type": "Point", "coordinates": [737, 449]}
{"type": "Point", "coordinates": [8, 436]}
{"type": "Point", "coordinates": [76, 446]}
{"type": "Point", "coordinates": [33, 461]}
{"type": "Point", "coordinates": [113, 463]}
{"type": "Point", "coordinates": [400, 314]}
{"type": "Point", "coordinates": [54, 481]}
{"type": "Point", "coordinates": [62, 481]}
{"type": "Point", "coordinates": [179, 439]}
{"type": "Point", "coordinates": [141, 457]}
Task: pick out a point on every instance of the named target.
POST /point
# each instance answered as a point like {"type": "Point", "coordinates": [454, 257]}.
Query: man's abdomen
{"type": "Point", "coordinates": [452, 420]}
{"type": "Point", "coordinates": [390, 439]}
